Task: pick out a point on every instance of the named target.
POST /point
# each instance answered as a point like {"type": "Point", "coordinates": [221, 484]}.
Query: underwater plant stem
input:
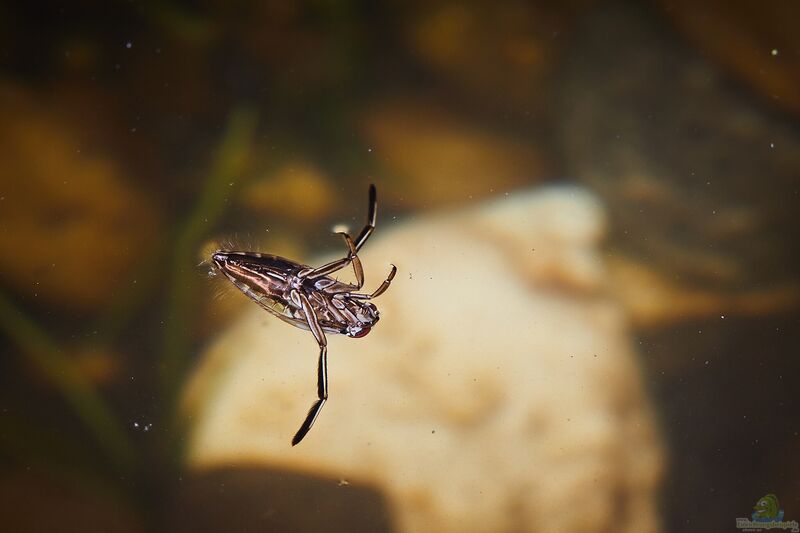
{"type": "Point", "coordinates": [228, 165]}
{"type": "Point", "coordinates": [57, 368]}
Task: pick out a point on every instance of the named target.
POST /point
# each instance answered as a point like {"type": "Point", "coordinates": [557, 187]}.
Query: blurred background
{"type": "Point", "coordinates": [135, 135]}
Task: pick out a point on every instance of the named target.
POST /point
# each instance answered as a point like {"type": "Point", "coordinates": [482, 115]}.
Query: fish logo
{"type": "Point", "coordinates": [767, 514]}
{"type": "Point", "coordinates": [767, 509]}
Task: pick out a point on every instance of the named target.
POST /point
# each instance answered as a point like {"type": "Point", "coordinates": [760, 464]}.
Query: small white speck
{"type": "Point", "coordinates": [722, 316]}
{"type": "Point", "coordinates": [133, 130]}
{"type": "Point", "coordinates": [129, 45]}
{"type": "Point", "coordinates": [772, 145]}
{"type": "Point", "coordinates": [369, 149]}
{"type": "Point", "coordinates": [706, 361]}
{"type": "Point", "coordinates": [774, 51]}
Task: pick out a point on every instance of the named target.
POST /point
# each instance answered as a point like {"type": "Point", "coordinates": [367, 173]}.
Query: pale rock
{"type": "Point", "coordinates": [500, 390]}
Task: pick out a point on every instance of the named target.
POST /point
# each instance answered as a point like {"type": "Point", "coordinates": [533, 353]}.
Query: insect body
{"type": "Point", "coordinates": [309, 298]}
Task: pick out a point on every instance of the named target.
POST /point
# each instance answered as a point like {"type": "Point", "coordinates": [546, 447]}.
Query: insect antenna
{"type": "Point", "coordinates": [236, 242]}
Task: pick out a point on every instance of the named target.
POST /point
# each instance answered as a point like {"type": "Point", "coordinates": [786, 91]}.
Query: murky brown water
{"type": "Point", "coordinates": [592, 211]}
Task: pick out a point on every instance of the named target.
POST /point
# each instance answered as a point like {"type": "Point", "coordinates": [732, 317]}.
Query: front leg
{"type": "Point", "coordinates": [322, 368]}
{"type": "Point", "coordinates": [380, 290]}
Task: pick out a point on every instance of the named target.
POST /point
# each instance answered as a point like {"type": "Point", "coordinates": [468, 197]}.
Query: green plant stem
{"type": "Point", "coordinates": [57, 368]}
{"type": "Point", "coordinates": [229, 164]}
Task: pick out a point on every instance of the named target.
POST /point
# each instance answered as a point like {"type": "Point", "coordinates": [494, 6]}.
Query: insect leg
{"type": "Point", "coordinates": [333, 266]}
{"type": "Point", "coordinates": [380, 290]}
{"type": "Point", "coordinates": [371, 217]}
{"type": "Point", "coordinates": [339, 264]}
{"type": "Point", "coordinates": [357, 268]}
{"type": "Point", "coordinates": [322, 369]}
{"type": "Point", "coordinates": [385, 285]}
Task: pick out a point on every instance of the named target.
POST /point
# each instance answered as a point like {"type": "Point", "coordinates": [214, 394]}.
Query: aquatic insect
{"type": "Point", "coordinates": [309, 298]}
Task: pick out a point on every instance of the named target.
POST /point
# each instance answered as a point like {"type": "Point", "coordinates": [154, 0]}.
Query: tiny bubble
{"type": "Point", "coordinates": [774, 51]}
{"type": "Point", "coordinates": [722, 316]}
{"type": "Point", "coordinates": [133, 130]}
{"type": "Point", "coordinates": [129, 45]}
{"type": "Point", "coordinates": [772, 145]}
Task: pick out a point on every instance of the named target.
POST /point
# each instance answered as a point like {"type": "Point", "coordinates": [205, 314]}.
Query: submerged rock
{"type": "Point", "coordinates": [700, 178]}
{"type": "Point", "coordinates": [500, 390]}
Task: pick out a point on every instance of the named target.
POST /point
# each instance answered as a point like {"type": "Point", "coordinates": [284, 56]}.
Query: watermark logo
{"type": "Point", "coordinates": [767, 514]}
